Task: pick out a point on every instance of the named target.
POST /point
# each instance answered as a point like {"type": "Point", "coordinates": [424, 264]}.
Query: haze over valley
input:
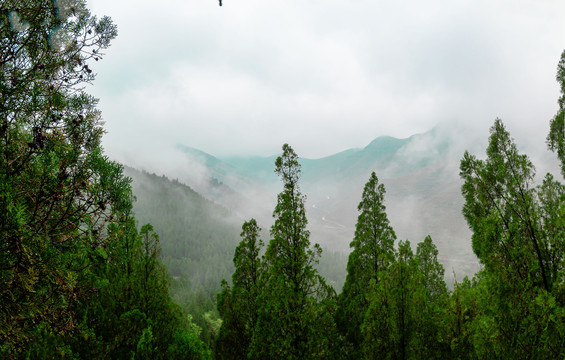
{"type": "Point", "coordinates": [420, 173]}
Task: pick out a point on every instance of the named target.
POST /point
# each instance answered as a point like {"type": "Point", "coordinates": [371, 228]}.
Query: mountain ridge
{"type": "Point", "coordinates": [420, 174]}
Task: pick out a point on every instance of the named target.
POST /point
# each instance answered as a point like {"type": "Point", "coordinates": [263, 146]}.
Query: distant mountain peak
{"type": "Point", "coordinates": [388, 144]}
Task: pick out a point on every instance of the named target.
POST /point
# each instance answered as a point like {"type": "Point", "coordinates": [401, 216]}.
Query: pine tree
{"type": "Point", "coordinates": [294, 300]}
{"type": "Point", "coordinates": [430, 302]}
{"type": "Point", "coordinates": [68, 236]}
{"type": "Point", "coordinates": [556, 136]}
{"type": "Point", "coordinates": [389, 324]}
{"type": "Point", "coordinates": [238, 305]}
{"type": "Point", "coordinates": [372, 254]}
{"type": "Point", "coordinates": [57, 189]}
{"type": "Point", "coordinates": [515, 238]}
{"type": "Point", "coordinates": [403, 318]}
{"type": "Point", "coordinates": [462, 310]}
{"type": "Point", "coordinates": [431, 269]}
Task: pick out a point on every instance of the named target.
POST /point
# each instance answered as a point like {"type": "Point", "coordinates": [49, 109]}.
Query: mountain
{"type": "Point", "coordinates": [192, 229]}
{"type": "Point", "coordinates": [420, 174]}
{"type": "Point", "coordinates": [198, 236]}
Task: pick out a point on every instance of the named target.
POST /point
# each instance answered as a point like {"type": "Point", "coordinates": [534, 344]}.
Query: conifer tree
{"type": "Point", "coordinates": [430, 301]}
{"type": "Point", "coordinates": [68, 236]}
{"type": "Point", "coordinates": [238, 305]}
{"type": "Point", "coordinates": [461, 310]}
{"type": "Point", "coordinates": [431, 269]}
{"type": "Point", "coordinates": [556, 136]}
{"type": "Point", "coordinates": [403, 319]}
{"type": "Point", "coordinates": [294, 301]}
{"type": "Point", "coordinates": [515, 238]}
{"type": "Point", "coordinates": [57, 189]}
{"type": "Point", "coordinates": [372, 254]}
{"type": "Point", "coordinates": [389, 323]}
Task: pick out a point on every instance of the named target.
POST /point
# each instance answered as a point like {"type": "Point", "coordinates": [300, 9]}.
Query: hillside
{"type": "Point", "coordinates": [420, 174]}
{"type": "Point", "coordinates": [198, 236]}
{"type": "Point", "coordinates": [192, 229]}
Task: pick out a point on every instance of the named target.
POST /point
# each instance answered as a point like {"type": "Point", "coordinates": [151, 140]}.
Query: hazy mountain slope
{"type": "Point", "coordinates": [420, 174]}
{"type": "Point", "coordinates": [198, 237]}
{"type": "Point", "coordinates": [192, 229]}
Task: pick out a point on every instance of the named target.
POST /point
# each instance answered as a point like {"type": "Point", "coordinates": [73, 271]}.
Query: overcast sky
{"type": "Point", "coordinates": [322, 75]}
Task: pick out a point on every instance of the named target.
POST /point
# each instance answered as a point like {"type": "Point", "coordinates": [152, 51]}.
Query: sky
{"type": "Point", "coordinates": [322, 75]}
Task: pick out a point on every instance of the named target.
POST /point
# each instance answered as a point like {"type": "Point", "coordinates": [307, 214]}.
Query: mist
{"type": "Point", "coordinates": [420, 173]}
{"type": "Point", "coordinates": [232, 83]}
{"type": "Point", "coordinates": [243, 79]}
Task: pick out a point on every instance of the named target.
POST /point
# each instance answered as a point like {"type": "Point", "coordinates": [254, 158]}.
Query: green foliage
{"type": "Point", "coordinates": [372, 254]}
{"type": "Point", "coordinates": [146, 346]}
{"type": "Point", "coordinates": [389, 332]}
{"type": "Point", "coordinates": [238, 306]}
{"type": "Point", "coordinates": [187, 344]}
{"type": "Point", "coordinates": [431, 301]}
{"type": "Point", "coordinates": [518, 237]}
{"type": "Point", "coordinates": [461, 312]}
{"type": "Point", "coordinates": [403, 319]}
{"type": "Point", "coordinates": [290, 323]}
{"type": "Point", "coordinates": [432, 271]}
{"type": "Point", "coordinates": [58, 191]}
{"type": "Point", "coordinates": [197, 238]}
{"type": "Point", "coordinates": [556, 136]}
{"type": "Point", "coordinates": [194, 232]}
{"type": "Point", "coordinates": [500, 207]}
{"type": "Point", "coordinates": [77, 279]}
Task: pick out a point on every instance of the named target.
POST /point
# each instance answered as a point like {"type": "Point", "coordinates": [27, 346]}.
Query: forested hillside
{"type": "Point", "coordinates": [420, 173]}
{"type": "Point", "coordinates": [198, 238]}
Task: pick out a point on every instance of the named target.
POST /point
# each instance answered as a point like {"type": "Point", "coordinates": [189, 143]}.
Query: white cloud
{"type": "Point", "coordinates": [324, 75]}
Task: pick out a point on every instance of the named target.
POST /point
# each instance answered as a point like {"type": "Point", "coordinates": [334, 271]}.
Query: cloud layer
{"type": "Point", "coordinates": [323, 75]}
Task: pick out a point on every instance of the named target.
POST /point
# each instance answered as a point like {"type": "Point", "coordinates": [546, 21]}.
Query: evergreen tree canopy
{"type": "Point", "coordinates": [517, 239]}
{"type": "Point", "coordinates": [556, 136]}
{"type": "Point", "coordinates": [77, 279]}
{"type": "Point", "coordinates": [238, 306]}
{"type": "Point", "coordinates": [294, 301]}
{"type": "Point", "coordinates": [389, 320]}
{"type": "Point", "coordinates": [501, 207]}
{"type": "Point", "coordinates": [372, 254]}
{"type": "Point", "coordinates": [57, 190]}
{"type": "Point", "coordinates": [431, 270]}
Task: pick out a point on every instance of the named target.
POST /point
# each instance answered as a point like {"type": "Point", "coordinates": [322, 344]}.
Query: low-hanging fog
{"type": "Point", "coordinates": [421, 175]}
{"type": "Point", "coordinates": [194, 91]}
{"type": "Point", "coordinates": [324, 76]}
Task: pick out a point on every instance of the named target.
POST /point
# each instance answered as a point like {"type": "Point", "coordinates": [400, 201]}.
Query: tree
{"type": "Point", "coordinates": [431, 269]}
{"type": "Point", "coordinates": [501, 210]}
{"type": "Point", "coordinates": [292, 322]}
{"type": "Point", "coordinates": [372, 254]}
{"type": "Point", "coordinates": [516, 238]}
{"type": "Point", "coordinates": [430, 294]}
{"type": "Point", "coordinates": [462, 311]}
{"type": "Point", "coordinates": [389, 319]}
{"type": "Point", "coordinates": [57, 190]}
{"type": "Point", "coordinates": [68, 235]}
{"type": "Point", "coordinates": [406, 307]}
{"type": "Point", "coordinates": [556, 136]}
{"type": "Point", "coordinates": [238, 306]}
{"type": "Point", "coordinates": [187, 344]}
